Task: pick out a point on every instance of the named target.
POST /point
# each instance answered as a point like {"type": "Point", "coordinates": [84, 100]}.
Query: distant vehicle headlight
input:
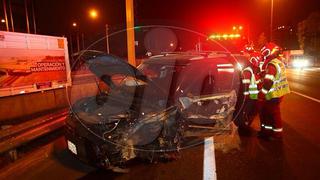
{"type": "Point", "coordinates": [300, 63]}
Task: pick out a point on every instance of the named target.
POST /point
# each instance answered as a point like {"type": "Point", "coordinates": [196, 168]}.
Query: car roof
{"type": "Point", "coordinates": [170, 58]}
{"type": "Point", "coordinates": [186, 58]}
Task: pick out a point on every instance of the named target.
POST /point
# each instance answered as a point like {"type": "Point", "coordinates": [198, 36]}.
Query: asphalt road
{"type": "Point", "coordinates": [305, 81]}
{"type": "Point", "coordinates": [296, 157]}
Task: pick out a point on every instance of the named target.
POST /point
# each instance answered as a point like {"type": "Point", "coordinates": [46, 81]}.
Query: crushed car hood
{"type": "Point", "coordinates": [105, 66]}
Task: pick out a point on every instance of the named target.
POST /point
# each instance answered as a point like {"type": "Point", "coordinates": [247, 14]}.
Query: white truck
{"type": "Point", "coordinates": [31, 63]}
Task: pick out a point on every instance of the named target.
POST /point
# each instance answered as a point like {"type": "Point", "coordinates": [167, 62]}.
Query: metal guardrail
{"type": "Point", "coordinates": [18, 135]}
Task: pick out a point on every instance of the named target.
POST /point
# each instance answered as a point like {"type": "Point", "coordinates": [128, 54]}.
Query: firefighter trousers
{"type": "Point", "coordinates": [270, 115]}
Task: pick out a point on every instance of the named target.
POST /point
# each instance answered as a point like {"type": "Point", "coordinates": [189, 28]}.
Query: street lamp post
{"type": "Point", "coordinates": [78, 42]}
{"type": "Point", "coordinates": [5, 14]}
{"type": "Point", "coordinates": [75, 26]}
{"type": "Point", "coordinates": [71, 45]}
{"type": "Point", "coordinates": [93, 14]}
{"type": "Point", "coordinates": [271, 20]}
{"type": "Point", "coordinates": [82, 40]}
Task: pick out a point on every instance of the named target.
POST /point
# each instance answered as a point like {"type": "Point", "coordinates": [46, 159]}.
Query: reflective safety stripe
{"type": "Point", "coordinates": [253, 86]}
{"type": "Point", "coordinates": [268, 127]}
{"type": "Point", "coordinates": [278, 130]}
{"type": "Point", "coordinates": [246, 81]}
{"type": "Point", "coordinates": [279, 87]}
{"type": "Point", "coordinates": [264, 91]}
{"type": "Point", "coordinates": [283, 79]}
{"type": "Point", "coordinates": [246, 93]}
{"type": "Point", "coordinates": [271, 128]}
{"type": "Point", "coordinates": [269, 76]}
{"type": "Point", "coordinates": [254, 92]}
{"type": "Point", "coordinates": [278, 68]}
{"type": "Point", "coordinates": [271, 90]}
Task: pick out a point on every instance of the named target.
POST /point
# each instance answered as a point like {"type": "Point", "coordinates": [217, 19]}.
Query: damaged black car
{"type": "Point", "coordinates": [168, 103]}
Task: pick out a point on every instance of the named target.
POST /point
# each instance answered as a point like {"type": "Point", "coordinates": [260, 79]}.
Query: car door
{"type": "Point", "coordinates": [207, 93]}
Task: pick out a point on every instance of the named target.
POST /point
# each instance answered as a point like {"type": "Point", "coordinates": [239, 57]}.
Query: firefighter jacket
{"type": "Point", "coordinates": [275, 84]}
{"type": "Point", "coordinates": [250, 82]}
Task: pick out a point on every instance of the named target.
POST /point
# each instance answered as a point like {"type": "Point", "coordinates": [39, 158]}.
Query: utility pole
{"type": "Point", "coordinates": [130, 32]}
{"type": "Point", "coordinates": [27, 15]}
{"type": "Point", "coordinates": [34, 17]}
{"type": "Point", "coordinates": [107, 38]}
{"type": "Point", "coordinates": [5, 13]}
{"type": "Point", "coordinates": [71, 45]}
{"type": "Point", "coordinates": [82, 40]}
{"type": "Point", "coordinates": [271, 21]}
{"type": "Point", "coordinates": [78, 42]}
{"type": "Point", "coordinates": [11, 16]}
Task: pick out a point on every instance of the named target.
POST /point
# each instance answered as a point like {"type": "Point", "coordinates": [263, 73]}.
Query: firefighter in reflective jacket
{"type": "Point", "coordinates": [274, 87]}
{"type": "Point", "coordinates": [250, 84]}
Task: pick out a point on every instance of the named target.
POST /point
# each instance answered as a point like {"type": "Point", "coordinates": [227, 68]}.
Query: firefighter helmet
{"type": "Point", "coordinates": [248, 48]}
{"type": "Point", "coordinates": [270, 50]}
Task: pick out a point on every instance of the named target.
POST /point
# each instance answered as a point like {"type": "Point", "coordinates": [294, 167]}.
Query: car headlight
{"type": "Point", "coordinates": [300, 63]}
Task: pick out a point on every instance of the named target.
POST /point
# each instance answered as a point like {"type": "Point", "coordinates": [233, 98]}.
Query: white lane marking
{"type": "Point", "coordinates": [209, 162]}
{"type": "Point", "coordinates": [308, 97]}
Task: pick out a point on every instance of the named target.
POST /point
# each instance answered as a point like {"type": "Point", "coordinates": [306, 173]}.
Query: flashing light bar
{"type": "Point", "coordinates": [225, 36]}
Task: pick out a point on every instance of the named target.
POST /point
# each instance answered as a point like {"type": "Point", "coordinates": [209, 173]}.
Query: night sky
{"type": "Point", "coordinates": [55, 17]}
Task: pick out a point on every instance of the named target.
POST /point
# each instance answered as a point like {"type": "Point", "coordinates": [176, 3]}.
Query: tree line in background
{"type": "Point", "coordinates": [306, 37]}
{"type": "Point", "coordinates": [309, 34]}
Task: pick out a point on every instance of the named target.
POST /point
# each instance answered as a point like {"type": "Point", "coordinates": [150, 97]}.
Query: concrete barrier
{"type": "Point", "coordinates": [16, 108]}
